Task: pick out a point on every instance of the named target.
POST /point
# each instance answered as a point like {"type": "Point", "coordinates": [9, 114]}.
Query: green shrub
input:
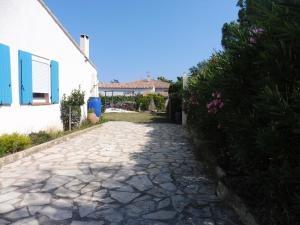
{"type": "Point", "coordinates": [143, 102]}
{"type": "Point", "coordinates": [159, 101]}
{"type": "Point", "coordinates": [10, 143]}
{"type": "Point", "coordinates": [71, 103]}
{"type": "Point", "coordinates": [85, 124]}
{"type": "Point", "coordinates": [102, 120]}
{"type": "Point", "coordinates": [40, 137]}
{"type": "Point", "coordinates": [175, 100]}
{"type": "Point", "coordinates": [246, 100]}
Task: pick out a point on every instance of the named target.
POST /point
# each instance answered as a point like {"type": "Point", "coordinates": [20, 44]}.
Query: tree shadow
{"type": "Point", "coordinates": [155, 180]}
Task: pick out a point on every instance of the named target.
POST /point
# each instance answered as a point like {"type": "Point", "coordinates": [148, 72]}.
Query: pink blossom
{"type": "Point", "coordinates": [258, 30]}
{"type": "Point", "coordinates": [216, 104]}
{"type": "Point", "coordinates": [252, 40]}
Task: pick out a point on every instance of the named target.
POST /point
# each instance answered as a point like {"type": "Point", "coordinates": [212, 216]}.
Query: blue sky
{"type": "Point", "coordinates": [130, 38]}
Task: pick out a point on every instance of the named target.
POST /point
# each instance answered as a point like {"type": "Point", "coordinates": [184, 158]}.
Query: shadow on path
{"type": "Point", "coordinates": [120, 173]}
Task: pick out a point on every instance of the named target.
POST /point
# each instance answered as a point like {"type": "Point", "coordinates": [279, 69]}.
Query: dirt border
{"type": "Point", "coordinates": [27, 152]}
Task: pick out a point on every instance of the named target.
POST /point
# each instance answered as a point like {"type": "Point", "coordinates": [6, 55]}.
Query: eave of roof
{"type": "Point", "coordinates": [140, 84]}
{"type": "Point", "coordinates": [65, 31]}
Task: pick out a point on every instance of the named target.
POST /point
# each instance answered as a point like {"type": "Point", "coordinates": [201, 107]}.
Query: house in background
{"type": "Point", "coordinates": [39, 62]}
{"type": "Point", "coordinates": [135, 87]}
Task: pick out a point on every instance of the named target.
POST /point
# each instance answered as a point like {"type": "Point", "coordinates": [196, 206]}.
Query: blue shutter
{"type": "Point", "coordinates": [5, 76]}
{"type": "Point", "coordinates": [54, 82]}
{"type": "Point", "coordinates": [25, 77]}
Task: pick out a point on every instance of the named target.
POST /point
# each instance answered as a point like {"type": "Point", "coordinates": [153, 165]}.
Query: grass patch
{"type": "Point", "coordinates": [141, 117]}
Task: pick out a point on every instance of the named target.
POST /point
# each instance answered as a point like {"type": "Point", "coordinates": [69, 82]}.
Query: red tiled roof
{"type": "Point", "coordinates": [139, 84]}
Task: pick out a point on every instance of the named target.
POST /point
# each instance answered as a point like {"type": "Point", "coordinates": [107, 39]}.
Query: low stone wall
{"type": "Point", "coordinates": [223, 192]}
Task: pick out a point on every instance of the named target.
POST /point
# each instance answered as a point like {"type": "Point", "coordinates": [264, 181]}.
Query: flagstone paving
{"type": "Point", "coordinates": [120, 173]}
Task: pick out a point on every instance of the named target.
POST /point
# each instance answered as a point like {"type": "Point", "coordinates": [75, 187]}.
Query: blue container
{"type": "Point", "coordinates": [95, 104]}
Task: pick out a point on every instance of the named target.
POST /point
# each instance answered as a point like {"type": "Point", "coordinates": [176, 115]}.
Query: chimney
{"type": "Point", "coordinates": [85, 45]}
{"type": "Point", "coordinates": [148, 77]}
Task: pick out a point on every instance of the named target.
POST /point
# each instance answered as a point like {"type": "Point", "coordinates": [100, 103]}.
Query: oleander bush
{"type": "Point", "coordinates": [246, 101]}
{"type": "Point", "coordinates": [10, 143]}
{"type": "Point", "coordinates": [175, 100]}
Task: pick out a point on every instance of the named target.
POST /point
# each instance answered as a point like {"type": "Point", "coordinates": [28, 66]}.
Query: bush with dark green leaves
{"type": "Point", "coordinates": [10, 143]}
{"type": "Point", "coordinates": [175, 100]}
{"type": "Point", "coordinates": [246, 100]}
{"type": "Point", "coordinates": [40, 137]}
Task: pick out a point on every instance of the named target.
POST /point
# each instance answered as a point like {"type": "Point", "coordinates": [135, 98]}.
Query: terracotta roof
{"type": "Point", "coordinates": [139, 84]}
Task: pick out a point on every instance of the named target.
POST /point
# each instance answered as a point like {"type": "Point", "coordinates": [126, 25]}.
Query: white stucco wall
{"type": "Point", "coordinates": [121, 92]}
{"type": "Point", "coordinates": [27, 26]}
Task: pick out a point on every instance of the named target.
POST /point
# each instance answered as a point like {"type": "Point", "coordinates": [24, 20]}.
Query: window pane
{"type": "Point", "coordinates": [40, 75]}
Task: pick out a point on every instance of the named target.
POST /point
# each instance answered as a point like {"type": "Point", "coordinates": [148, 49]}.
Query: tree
{"type": "Point", "coordinates": [162, 78]}
{"type": "Point", "coordinates": [115, 81]}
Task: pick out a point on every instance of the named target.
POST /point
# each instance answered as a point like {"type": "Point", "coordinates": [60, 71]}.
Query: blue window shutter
{"type": "Point", "coordinates": [54, 82]}
{"type": "Point", "coordinates": [25, 77]}
{"type": "Point", "coordinates": [5, 76]}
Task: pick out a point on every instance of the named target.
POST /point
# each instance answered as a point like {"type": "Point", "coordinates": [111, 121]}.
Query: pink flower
{"type": "Point", "coordinates": [252, 40]}
{"type": "Point", "coordinates": [257, 31]}
{"type": "Point", "coordinates": [216, 104]}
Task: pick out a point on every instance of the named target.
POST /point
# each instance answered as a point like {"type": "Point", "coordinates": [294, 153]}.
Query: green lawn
{"type": "Point", "coordinates": [141, 117]}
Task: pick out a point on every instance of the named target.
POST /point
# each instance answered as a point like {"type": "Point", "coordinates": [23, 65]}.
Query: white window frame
{"type": "Point", "coordinates": [41, 72]}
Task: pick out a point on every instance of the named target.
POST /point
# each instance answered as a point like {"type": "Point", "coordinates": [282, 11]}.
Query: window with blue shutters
{"type": "Point", "coordinates": [5, 76]}
{"type": "Point", "coordinates": [25, 78]}
{"type": "Point", "coordinates": [54, 82]}
{"type": "Point", "coordinates": [39, 79]}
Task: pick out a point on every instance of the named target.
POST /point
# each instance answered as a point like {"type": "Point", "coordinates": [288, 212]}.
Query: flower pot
{"type": "Point", "coordinates": [92, 118]}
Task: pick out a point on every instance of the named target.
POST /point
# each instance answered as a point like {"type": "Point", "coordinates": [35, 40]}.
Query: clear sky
{"type": "Point", "coordinates": [130, 38]}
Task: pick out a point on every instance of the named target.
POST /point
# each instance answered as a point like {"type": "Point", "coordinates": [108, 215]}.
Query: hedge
{"type": "Point", "coordinates": [245, 100]}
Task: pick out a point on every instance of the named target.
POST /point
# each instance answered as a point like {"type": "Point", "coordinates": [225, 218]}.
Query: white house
{"type": "Point", "coordinates": [39, 62]}
{"type": "Point", "coordinates": [143, 87]}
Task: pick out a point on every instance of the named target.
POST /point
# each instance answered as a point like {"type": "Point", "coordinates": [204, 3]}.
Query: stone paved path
{"type": "Point", "coordinates": [120, 173]}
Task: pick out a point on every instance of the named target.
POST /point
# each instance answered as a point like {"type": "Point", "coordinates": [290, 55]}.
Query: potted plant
{"type": "Point", "coordinates": [92, 116]}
